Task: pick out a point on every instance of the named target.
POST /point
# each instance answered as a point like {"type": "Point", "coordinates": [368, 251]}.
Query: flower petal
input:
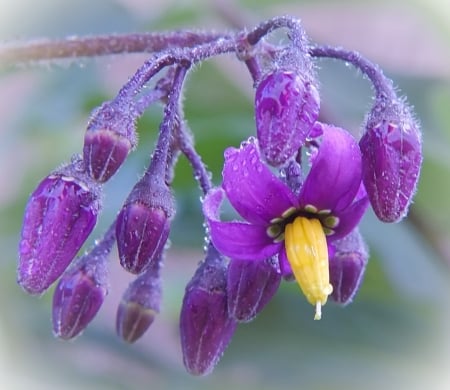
{"type": "Point", "coordinates": [350, 217]}
{"type": "Point", "coordinates": [253, 190]}
{"type": "Point", "coordinates": [335, 174]}
{"type": "Point", "coordinates": [285, 266]}
{"type": "Point", "coordinates": [237, 240]}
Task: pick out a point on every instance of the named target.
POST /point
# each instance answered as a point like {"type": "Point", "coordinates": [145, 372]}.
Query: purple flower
{"type": "Point", "coordinates": [330, 204]}
{"type": "Point", "coordinates": [286, 107]}
{"type": "Point", "coordinates": [392, 156]}
{"type": "Point", "coordinates": [59, 216]}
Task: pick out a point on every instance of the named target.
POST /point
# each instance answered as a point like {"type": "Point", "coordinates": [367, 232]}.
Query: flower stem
{"type": "Point", "coordinates": [102, 45]}
{"type": "Point", "coordinates": [159, 160]}
{"type": "Point", "coordinates": [383, 86]}
{"type": "Point", "coordinates": [297, 34]}
{"type": "Point", "coordinates": [104, 245]}
{"type": "Point", "coordinates": [159, 61]}
{"type": "Point", "coordinates": [201, 173]}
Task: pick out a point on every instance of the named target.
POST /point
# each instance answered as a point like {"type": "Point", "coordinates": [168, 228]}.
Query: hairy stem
{"type": "Point", "coordinates": [159, 160]}
{"type": "Point", "coordinates": [383, 86]}
{"type": "Point", "coordinates": [297, 34]}
{"type": "Point", "coordinates": [161, 60]}
{"type": "Point", "coordinates": [102, 45]}
{"type": "Point", "coordinates": [186, 145]}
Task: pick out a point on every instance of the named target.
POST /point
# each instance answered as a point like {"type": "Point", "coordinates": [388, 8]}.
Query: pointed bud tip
{"type": "Point", "coordinates": [104, 152]}
{"type": "Point", "coordinates": [133, 320]}
{"type": "Point", "coordinates": [140, 305]}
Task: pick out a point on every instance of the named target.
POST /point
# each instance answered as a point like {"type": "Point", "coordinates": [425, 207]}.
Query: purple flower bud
{"type": "Point", "coordinates": [59, 216]}
{"type": "Point", "coordinates": [250, 286]}
{"type": "Point", "coordinates": [110, 136]}
{"type": "Point", "coordinates": [392, 156]}
{"type": "Point", "coordinates": [139, 306]}
{"type": "Point", "coordinates": [79, 294]}
{"type": "Point", "coordinates": [205, 325]}
{"type": "Point", "coordinates": [286, 107]}
{"type": "Point", "coordinates": [143, 224]}
{"type": "Point", "coordinates": [347, 264]}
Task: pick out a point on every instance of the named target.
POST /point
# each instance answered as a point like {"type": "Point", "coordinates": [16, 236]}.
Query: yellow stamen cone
{"type": "Point", "coordinates": [307, 252]}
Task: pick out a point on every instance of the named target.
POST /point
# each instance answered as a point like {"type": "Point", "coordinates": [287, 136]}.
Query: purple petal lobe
{"type": "Point", "coordinates": [285, 266]}
{"type": "Point", "coordinates": [59, 217]}
{"type": "Point", "coordinates": [238, 240]}
{"type": "Point", "coordinates": [392, 158]}
{"type": "Point", "coordinates": [286, 107]}
{"type": "Point", "coordinates": [250, 286]}
{"type": "Point", "coordinates": [350, 217]}
{"type": "Point", "coordinates": [253, 190]}
{"type": "Point", "coordinates": [335, 174]}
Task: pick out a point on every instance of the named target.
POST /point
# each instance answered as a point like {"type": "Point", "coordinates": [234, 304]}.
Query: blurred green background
{"type": "Point", "coordinates": [395, 334]}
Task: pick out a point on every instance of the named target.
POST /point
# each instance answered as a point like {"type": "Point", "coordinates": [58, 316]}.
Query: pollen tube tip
{"type": "Point", "coordinates": [318, 314]}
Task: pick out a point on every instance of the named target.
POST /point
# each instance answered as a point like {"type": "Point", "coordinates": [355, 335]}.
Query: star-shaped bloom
{"type": "Point", "coordinates": [296, 227]}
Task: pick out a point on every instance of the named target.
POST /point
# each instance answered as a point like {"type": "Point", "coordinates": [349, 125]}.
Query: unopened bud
{"type": "Point", "coordinates": [286, 107]}
{"type": "Point", "coordinates": [139, 306]}
{"type": "Point", "coordinates": [110, 136]}
{"type": "Point", "coordinates": [250, 286]}
{"type": "Point", "coordinates": [392, 156]}
{"type": "Point", "coordinates": [143, 224]}
{"type": "Point", "coordinates": [347, 266]}
{"type": "Point", "coordinates": [79, 295]}
{"type": "Point", "coordinates": [59, 216]}
{"type": "Point", "coordinates": [205, 325]}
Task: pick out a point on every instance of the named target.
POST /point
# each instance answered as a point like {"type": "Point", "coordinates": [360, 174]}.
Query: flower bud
{"type": "Point", "coordinates": [250, 286]}
{"type": "Point", "coordinates": [347, 265]}
{"type": "Point", "coordinates": [205, 325]}
{"type": "Point", "coordinates": [59, 216]}
{"type": "Point", "coordinates": [286, 107]}
{"type": "Point", "coordinates": [139, 306]}
{"type": "Point", "coordinates": [110, 136]}
{"type": "Point", "coordinates": [392, 156]}
{"type": "Point", "coordinates": [143, 224]}
{"type": "Point", "coordinates": [79, 294]}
